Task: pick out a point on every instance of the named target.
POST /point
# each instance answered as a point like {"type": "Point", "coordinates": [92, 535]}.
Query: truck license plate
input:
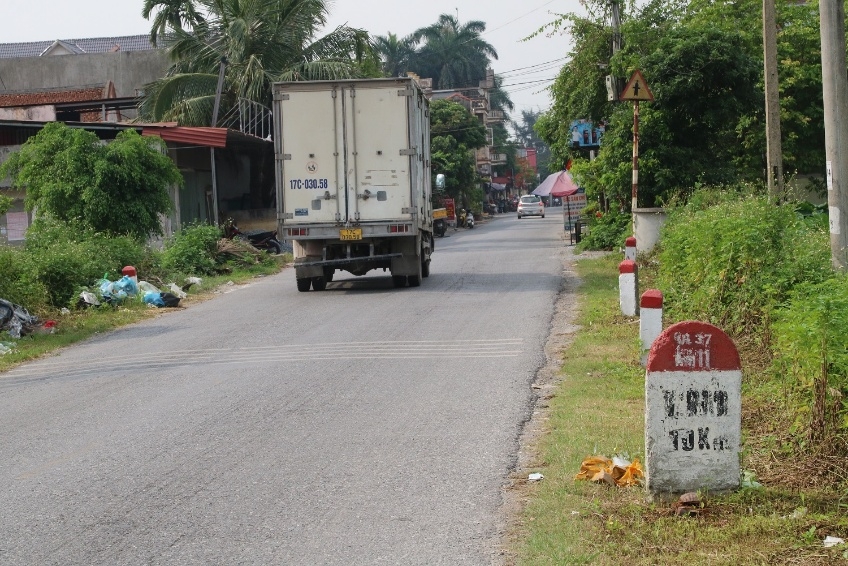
{"type": "Point", "coordinates": [347, 234]}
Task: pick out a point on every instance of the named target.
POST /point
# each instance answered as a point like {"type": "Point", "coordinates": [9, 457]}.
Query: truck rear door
{"type": "Point", "coordinates": [346, 149]}
{"type": "Point", "coordinates": [312, 165]}
{"type": "Point", "coordinates": [379, 151]}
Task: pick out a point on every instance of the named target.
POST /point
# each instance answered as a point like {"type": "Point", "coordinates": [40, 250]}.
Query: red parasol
{"type": "Point", "coordinates": [557, 185]}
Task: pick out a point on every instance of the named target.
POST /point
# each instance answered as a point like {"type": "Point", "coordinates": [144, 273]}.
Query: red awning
{"type": "Point", "coordinates": [192, 135]}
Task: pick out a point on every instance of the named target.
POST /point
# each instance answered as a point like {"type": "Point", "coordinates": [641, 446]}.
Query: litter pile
{"type": "Point", "coordinates": [618, 471]}
{"type": "Point", "coordinates": [115, 292]}
{"type": "Point", "coordinates": [18, 322]}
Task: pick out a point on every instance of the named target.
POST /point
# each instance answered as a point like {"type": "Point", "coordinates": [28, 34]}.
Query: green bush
{"type": "Point", "coordinates": [63, 257]}
{"type": "Point", "coordinates": [18, 283]}
{"type": "Point", "coordinates": [5, 204]}
{"type": "Point", "coordinates": [192, 251]}
{"type": "Point", "coordinates": [607, 231]}
{"type": "Point", "coordinates": [731, 263]}
{"type": "Point", "coordinates": [811, 353]}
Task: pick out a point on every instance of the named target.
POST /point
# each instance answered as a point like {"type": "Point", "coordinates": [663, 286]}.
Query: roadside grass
{"type": "Point", "coordinates": [598, 409]}
{"type": "Point", "coordinates": [81, 324]}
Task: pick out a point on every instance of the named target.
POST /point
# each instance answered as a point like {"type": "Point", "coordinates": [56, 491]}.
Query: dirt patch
{"type": "Point", "coordinates": [517, 490]}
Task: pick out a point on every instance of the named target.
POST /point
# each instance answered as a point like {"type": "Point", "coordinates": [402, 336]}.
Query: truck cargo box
{"type": "Point", "coordinates": [352, 163]}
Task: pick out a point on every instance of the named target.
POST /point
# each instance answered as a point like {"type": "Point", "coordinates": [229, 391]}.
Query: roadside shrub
{"type": "Point", "coordinates": [192, 251]}
{"type": "Point", "coordinates": [18, 283]}
{"type": "Point", "coordinates": [606, 232]}
{"type": "Point", "coordinates": [731, 263]}
{"type": "Point", "coordinates": [64, 257]}
{"type": "Point", "coordinates": [5, 204]}
{"type": "Point", "coordinates": [811, 357]}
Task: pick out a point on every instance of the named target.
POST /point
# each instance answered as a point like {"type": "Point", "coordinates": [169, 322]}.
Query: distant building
{"type": "Point", "coordinates": [95, 84]}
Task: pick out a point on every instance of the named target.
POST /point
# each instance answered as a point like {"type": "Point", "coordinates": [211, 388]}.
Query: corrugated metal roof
{"type": "Point", "coordinates": [192, 135]}
{"type": "Point", "coordinates": [86, 45]}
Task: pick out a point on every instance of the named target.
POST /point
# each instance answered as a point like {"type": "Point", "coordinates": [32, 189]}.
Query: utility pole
{"type": "Point", "coordinates": [835, 94]}
{"type": "Point", "coordinates": [615, 21]}
{"type": "Point", "coordinates": [613, 86]}
{"type": "Point", "coordinates": [774, 149]}
{"type": "Point", "coordinates": [222, 66]}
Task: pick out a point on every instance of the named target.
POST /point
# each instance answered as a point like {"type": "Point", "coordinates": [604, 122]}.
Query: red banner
{"type": "Point", "coordinates": [449, 204]}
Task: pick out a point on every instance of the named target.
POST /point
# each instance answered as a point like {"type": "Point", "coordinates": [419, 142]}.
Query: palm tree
{"type": "Point", "coordinates": [499, 98]}
{"type": "Point", "coordinates": [395, 54]}
{"type": "Point", "coordinates": [259, 42]}
{"type": "Point", "coordinates": [454, 55]}
{"type": "Point", "coordinates": [172, 14]}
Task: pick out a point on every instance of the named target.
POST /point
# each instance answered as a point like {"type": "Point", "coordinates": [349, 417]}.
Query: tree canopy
{"type": "Point", "coordinates": [396, 54]}
{"type": "Point", "coordinates": [119, 188]}
{"type": "Point", "coordinates": [454, 55]}
{"type": "Point", "coordinates": [454, 135]}
{"type": "Point", "coordinates": [258, 42]}
{"type": "Point", "coordinates": [703, 62]}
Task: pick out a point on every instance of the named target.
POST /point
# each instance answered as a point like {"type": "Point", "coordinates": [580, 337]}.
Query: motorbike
{"type": "Point", "coordinates": [469, 220]}
{"type": "Point", "coordinates": [440, 226]}
{"type": "Point", "coordinates": [260, 239]}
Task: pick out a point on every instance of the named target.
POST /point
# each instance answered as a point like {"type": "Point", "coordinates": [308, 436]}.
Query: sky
{"type": "Point", "coordinates": [527, 67]}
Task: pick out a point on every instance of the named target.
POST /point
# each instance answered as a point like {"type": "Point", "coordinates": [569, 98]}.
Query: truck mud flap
{"type": "Point", "coordinates": [344, 261]}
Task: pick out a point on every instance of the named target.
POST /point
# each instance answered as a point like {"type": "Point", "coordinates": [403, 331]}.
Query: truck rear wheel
{"type": "Point", "coordinates": [399, 281]}
{"type": "Point", "coordinates": [415, 280]}
{"type": "Point", "coordinates": [319, 283]}
{"type": "Point", "coordinates": [303, 284]}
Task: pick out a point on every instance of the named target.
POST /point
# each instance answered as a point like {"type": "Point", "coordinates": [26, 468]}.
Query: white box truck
{"type": "Point", "coordinates": [352, 164]}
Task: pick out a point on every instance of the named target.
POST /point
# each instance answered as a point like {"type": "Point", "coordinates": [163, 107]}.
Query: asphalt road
{"type": "Point", "coordinates": [359, 425]}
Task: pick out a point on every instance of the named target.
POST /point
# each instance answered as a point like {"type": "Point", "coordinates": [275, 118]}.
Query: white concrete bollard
{"type": "Point", "coordinates": [130, 272]}
{"type": "Point", "coordinates": [630, 248]}
{"type": "Point", "coordinates": [650, 320]}
{"type": "Point", "coordinates": [693, 410]}
{"type": "Point", "coordinates": [628, 287]}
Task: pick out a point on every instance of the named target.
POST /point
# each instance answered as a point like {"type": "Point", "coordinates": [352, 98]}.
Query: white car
{"type": "Point", "coordinates": [531, 205]}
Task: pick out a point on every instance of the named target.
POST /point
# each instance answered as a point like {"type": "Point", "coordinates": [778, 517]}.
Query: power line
{"type": "Point", "coordinates": [533, 72]}
{"type": "Point", "coordinates": [530, 82]}
{"type": "Point", "coordinates": [532, 66]}
{"type": "Point", "coordinates": [518, 18]}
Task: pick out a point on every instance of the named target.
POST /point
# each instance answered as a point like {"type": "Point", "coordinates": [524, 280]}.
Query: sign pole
{"type": "Point", "coordinates": [633, 204]}
{"type": "Point", "coordinates": [637, 89]}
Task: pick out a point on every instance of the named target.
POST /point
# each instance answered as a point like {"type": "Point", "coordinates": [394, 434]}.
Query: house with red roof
{"type": "Point", "coordinates": [95, 84]}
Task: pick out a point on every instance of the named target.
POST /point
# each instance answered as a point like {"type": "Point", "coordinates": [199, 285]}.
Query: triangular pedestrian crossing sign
{"type": "Point", "coordinates": [637, 88]}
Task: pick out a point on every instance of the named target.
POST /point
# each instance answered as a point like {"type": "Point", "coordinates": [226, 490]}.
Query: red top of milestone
{"type": "Point", "coordinates": [651, 299]}
{"type": "Point", "coordinates": [627, 266]}
{"type": "Point", "coordinates": [630, 242]}
{"type": "Point", "coordinates": [693, 346]}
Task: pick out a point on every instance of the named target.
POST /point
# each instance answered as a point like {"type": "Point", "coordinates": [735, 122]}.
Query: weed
{"type": "Point", "coordinates": [599, 408]}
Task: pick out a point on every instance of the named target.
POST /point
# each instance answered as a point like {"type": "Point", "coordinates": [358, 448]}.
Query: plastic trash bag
{"type": "Point", "coordinates": [144, 287]}
{"type": "Point", "coordinates": [16, 319]}
{"type": "Point", "coordinates": [87, 299]}
{"type": "Point", "coordinates": [161, 299]}
{"type": "Point", "coordinates": [617, 471]}
{"type": "Point", "coordinates": [117, 291]}
{"type": "Point", "coordinates": [126, 285]}
{"type": "Point", "coordinates": [170, 300]}
{"type": "Point", "coordinates": [175, 290]}
{"type": "Point", "coordinates": [153, 298]}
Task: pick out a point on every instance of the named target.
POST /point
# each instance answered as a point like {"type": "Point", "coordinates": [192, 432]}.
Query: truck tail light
{"type": "Point", "coordinates": [297, 231]}
{"type": "Point", "coordinates": [398, 228]}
